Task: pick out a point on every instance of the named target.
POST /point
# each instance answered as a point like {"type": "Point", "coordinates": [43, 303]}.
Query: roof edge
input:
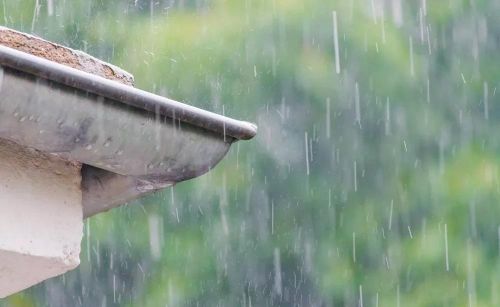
{"type": "Point", "coordinates": [128, 95]}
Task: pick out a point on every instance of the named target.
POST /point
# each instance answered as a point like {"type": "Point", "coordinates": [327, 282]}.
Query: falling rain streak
{"type": "Point", "coordinates": [446, 247]}
{"type": "Point", "coordinates": [336, 42]}
{"type": "Point", "coordinates": [356, 105]}
{"type": "Point", "coordinates": [485, 100]}
{"type": "Point", "coordinates": [306, 142]}
{"type": "Point", "coordinates": [328, 123]}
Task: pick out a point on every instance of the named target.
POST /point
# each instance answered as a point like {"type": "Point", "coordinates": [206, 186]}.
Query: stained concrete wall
{"type": "Point", "coordinates": [40, 217]}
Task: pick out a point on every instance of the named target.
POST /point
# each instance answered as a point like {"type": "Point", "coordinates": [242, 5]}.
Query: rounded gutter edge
{"type": "Point", "coordinates": [125, 94]}
{"type": "Point", "coordinates": [250, 130]}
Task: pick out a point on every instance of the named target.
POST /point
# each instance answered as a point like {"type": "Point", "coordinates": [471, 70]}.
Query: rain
{"type": "Point", "coordinates": [373, 179]}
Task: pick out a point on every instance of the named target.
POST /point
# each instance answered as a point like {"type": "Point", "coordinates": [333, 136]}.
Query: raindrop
{"type": "Point", "coordinates": [277, 272]}
{"type": "Point", "coordinates": [272, 217]}
{"type": "Point", "coordinates": [387, 117]}
{"type": "Point", "coordinates": [397, 12]}
{"type": "Point", "coordinates": [498, 231]}
{"type": "Point", "coordinates": [355, 176]}
{"type": "Point", "coordinates": [155, 237]}
{"type": "Point", "coordinates": [463, 78]}
{"type": "Point", "coordinates": [336, 42]}
{"type": "Point", "coordinates": [307, 153]}
{"type": "Point", "coordinates": [398, 298]}
{"type": "Point", "coordinates": [485, 100]}
{"type": "Point", "coordinates": [50, 7]}
{"type": "Point", "coordinates": [374, 13]}
{"type": "Point", "coordinates": [354, 247]}
{"type": "Point", "coordinates": [36, 12]}
{"type": "Point", "coordinates": [390, 214]}
{"type": "Point", "coordinates": [328, 118]}
{"type": "Point", "coordinates": [421, 21]}
{"type": "Point", "coordinates": [356, 105]}
{"type": "Point", "coordinates": [360, 296]}
{"type": "Point", "coordinates": [446, 246]}
{"type": "Point", "coordinates": [471, 280]}
{"type": "Point", "coordinates": [429, 40]}
{"type": "Point", "coordinates": [383, 27]}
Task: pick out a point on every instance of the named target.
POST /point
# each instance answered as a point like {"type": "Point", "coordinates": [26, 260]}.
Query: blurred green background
{"type": "Point", "coordinates": [377, 185]}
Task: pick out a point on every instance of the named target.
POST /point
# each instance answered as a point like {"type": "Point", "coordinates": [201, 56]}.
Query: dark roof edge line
{"type": "Point", "coordinates": [129, 95]}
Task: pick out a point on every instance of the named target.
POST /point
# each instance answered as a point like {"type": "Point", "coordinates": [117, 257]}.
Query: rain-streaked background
{"type": "Point", "coordinates": [373, 181]}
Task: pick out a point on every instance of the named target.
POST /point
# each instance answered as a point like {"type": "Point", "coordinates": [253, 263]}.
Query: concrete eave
{"type": "Point", "coordinates": [129, 141]}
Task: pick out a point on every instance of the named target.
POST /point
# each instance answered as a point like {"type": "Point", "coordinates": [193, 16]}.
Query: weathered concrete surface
{"type": "Point", "coordinates": [40, 194]}
{"type": "Point", "coordinates": [62, 55]}
{"type": "Point", "coordinates": [40, 217]}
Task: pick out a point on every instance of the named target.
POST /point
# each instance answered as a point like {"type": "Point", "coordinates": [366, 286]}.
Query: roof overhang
{"type": "Point", "coordinates": [129, 141]}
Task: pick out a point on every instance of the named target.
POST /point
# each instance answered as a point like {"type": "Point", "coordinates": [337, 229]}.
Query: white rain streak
{"type": "Point", "coordinates": [224, 124]}
{"type": "Point", "coordinates": [424, 7]}
{"type": "Point", "coordinates": [222, 206]}
{"type": "Point", "coordinates": [336, 42]}
{"type": "Point", "coordinates": [485, 100]}
{"type": "Point", "coordinates": [374, 12]}
{"type": "Point", "coordinates": [172, 199]}
{"type": "Point", "coordinates": [390, 214]}
{"type": "Point", "coordinates": [398, 297]}
{"type": "Point", "coordinates": [354, 247]}
{"type": "Point", "coordinates": [397, 12]}
{"type": "Point", "coordinates": [87, 237]}
{"type": "Point", "coordinates": [328, 119]}
{"type": "Point", "coordinates": [36, 12]}
{"type": "Point", "coordinates": [114, 288]}
{"type": "Point", "coordinates": [355, 171]}
{"type": "Point", "coordinates": [277, 272]}
{"type": "Point", "coordinates": [421, 24]}
{"type": "Point", "coordinates": [155, 235]}
{"type": "Point", "coordinates": [446, 247]}
{"type": "Point", "coordinates": [307, 153]}
{"type": "Point", "coordinates": [356, 105]}
{"type": "Point", "coordinates": [387, 117]}
{"type": "Point", "coordinates": [311, 155]}
{"type": "Point", "coordinates": [409, 232]}
{"type": "Point", "coordinates": [428, 91]}
{"type": "Point", "coordinates": [383, 27]}
{"type": "Point", "coordinates": [360, 295]}
{"type": "Point", "coordinates": [429, 47]}
{"type": "Point", "coordinates": [50, 7]}
{"type": "Point", "coordinates": [498, 240]}
{"type": "Point", "coordinates": [272, 217]}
